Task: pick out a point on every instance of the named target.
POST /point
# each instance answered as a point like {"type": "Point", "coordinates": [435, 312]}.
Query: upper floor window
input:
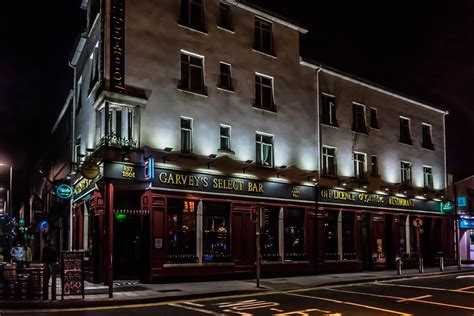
{"type": "Point", "coordinates": [427, 178]}
{"type": "Point", "coordinates": [225, 78]}
{"type": "Point", "coordinates": [225, 137]}
{"type": "Point", "coordinates": [373, 118]}
{"type": "Point", "coordinates": [94, 65]}
{"type": "Point", "coordinates": [264, 150]}
{"type": "Point", "coordinates": [329, 161]}
{"type": "Point", "coordinates": [117, 126]}
{"type": "Point", "coordinates": [405, 131]}
{"type": "Point", "coordinates": [426, 134]}
{"type": "Point", "coordinates": [405, 169]}
{"type": "Point", "coordinates": [374, 166]}
{"type": "Point", "coordinates": [186, 135]}
{"type": "Point", "coordinates": [263, 36]}
{"type": "Point", "coordinates": [225, 17]}
{"type": "Point", "coordinates": [192, 73]}
{"type": "Point", "coordinates": [359, 165]}
{"type": "Point", "coordinates": [77, 151]}
{"type": "Point", "coordinates": [328, 110]}
{"type": "Point", "coordinates": [192, 14]}
{"type": "Point", "coordinates": [264, 92]}
{"type": "Point", "coordinates": [79, 95]}
{"type": "Point", "coordinates": [358, 118]}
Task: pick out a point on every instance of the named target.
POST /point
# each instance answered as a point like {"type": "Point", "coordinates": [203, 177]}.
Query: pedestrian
{"type": "Point", "coordinates": [17, 254]}
{"type": "Point", "coordinates": [27, 256]}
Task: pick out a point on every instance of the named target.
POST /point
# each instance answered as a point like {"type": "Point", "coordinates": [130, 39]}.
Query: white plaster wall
{"type": "Point", "coordinates": [153, 43]}
{"type": "Point", "coordinates": [383, 142]}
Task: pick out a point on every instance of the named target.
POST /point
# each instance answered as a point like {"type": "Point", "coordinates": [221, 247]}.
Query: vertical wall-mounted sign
{"type": "Point", "coordinates": [149, 168]}
{"type": "Point", "coordinates": [117, 46]}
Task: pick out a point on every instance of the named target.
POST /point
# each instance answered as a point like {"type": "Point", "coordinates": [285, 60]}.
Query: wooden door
{"type": "Point", "coordinates": [242, 237]}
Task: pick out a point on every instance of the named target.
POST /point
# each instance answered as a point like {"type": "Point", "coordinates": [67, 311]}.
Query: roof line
{"type": "Point", "coordinates": [268, 15]}
{"type": "Point", "coordinates": [63, 111]}
{"type": "Point", "coordinates": [308, 63]}
{"type": "Point", "coordinates": [463, 179]}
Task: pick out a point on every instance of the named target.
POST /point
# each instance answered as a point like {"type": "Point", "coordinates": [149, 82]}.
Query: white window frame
{"type": "Point", "coordinates": [262, 134]}
{"type": "Point", "coordinates": [190, 133]}
{"type": "Point", "coordinates": [364, 114]}
{"type": "Point", "coordinates": [425, 186]}
{"type": "Point", "coordinates": [409, 129]}
{"type": "Point", "coordinates": [376, 118]}
{"type": "Point", "coordinates": [431, 133]}
{"type": "Point", "coordinates": [229, 138]}
{"type": "Point", "coordinates": [325, 162]}
{"type": "Point", "coordinates": [357, 172]}
{"type": "Point", "coordinates": [410, 173]}
{"type": "Point", "coordinates": [229, 75]}
{"type": "Point", "coordinates": [332, 114]}
{"type": "Point", "coordinates": [260, 46]}
{"type": "Point", "coordinates": [259, 105]}
{"type": "Point", "coordinates": [189, 65]}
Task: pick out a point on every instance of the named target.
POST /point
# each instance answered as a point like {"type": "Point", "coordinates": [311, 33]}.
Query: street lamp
{"type": "Point", "coordinates": [10, 192]}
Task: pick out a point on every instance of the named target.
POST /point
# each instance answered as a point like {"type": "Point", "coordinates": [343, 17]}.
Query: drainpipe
{"type": "Point", "coordinates": [73, 133]}
{"type": "Point", "coordinates": [318, 123]}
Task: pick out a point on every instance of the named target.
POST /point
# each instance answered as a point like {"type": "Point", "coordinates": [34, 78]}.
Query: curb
{"type": "Point", "coordinates": [79, 303]}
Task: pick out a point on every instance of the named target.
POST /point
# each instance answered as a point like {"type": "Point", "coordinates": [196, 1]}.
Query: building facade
{"type": "Point", "coordinates": [189, 114]}
{"type": "Point", "coordinates": [464, 199]}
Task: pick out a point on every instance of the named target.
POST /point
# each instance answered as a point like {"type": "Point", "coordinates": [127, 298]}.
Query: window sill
{"type": "Point", "coordinates": [226, 29]}
{"type": "Point", "coordinates": [361, 133]}
{"type": "Point", "coordinates": [94, 89]}
{"type": "Point", "coordinates": [226, 89]}
{"type": "Point", "coordinates": [201, 94]}
{"type": "Point", "coordinates": [406, 144]}
{"type": "Point", "coordinates": [330, 125]}
{"type": "Point", "coordinates": [427, 148]}
{"type": "Point", "coordinates": [329, 176]}
{"type": "Point", "coordinates": [204, 32]}
{"type": "Point", "coordinates": [374, 128]}
{"type": "Point", "coordinates": [264, 110]}
{"type": "Point", "coordinates": [271, 55]}
{"type": "Point", "coordinates": [284, 262]}
{"type": "Point", "coordinates": [226, 151]}
{"type": "Point", "coordinates": [192, 265]}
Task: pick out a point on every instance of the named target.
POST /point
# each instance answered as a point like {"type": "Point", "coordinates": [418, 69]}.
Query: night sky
{"type": "Point", "coordinates": [422, 49]}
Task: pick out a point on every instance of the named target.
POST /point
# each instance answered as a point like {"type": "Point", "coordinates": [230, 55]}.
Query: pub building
{"type": "Point", "coordinates": [188, 114]}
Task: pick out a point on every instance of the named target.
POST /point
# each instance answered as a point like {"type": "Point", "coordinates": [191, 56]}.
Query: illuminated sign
{"type": "Point", "coordinates": [64, 191]}
{"type": "Point", "coordinates": [149, 168]}
{"type": "Point", "coordinates": [462, 201]}
{"type": "Point", "coordinates": [466, 223]}
{"type": "Point", "coordinates": [335, 196]}
{"type": "Point", "coordinates": [446, 206]}
{"type": "Point", "coordinates": [90, 170]}
{"type": "Point", "coordinates": [117, 46]}
{"type": "Point", "coordinates": [128, 172]}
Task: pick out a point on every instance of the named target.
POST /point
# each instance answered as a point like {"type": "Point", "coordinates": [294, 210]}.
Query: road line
{"type": "Point", "coordinates": [465, 288]}
{"type": "Point", "coordinates": [414, 298]}
{"type": "Point", "coordinates": [367, 294]}
{"type": "Point", "coordinates": [350, 303]}
{"type": "Point", "coordinates": [204, 311]}
{"type": "Point", "coordinates": [424, 288]}
{"type": "Point", "coordinates": [194, 304]}
{"type": "Point", "coordinates": [304, 312]}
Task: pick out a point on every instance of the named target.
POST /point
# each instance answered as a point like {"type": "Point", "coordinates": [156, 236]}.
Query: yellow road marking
{"type": "Point", "coordinates": [414, 298]}
{"type": "Point", "coordinates": [304, 312]}
{"type": "Point", "coordinates": [465, 288]}
{"type": "Point", "coordinates": [425, 288]}
{"type": "Point", "coordinates": [351, 303]}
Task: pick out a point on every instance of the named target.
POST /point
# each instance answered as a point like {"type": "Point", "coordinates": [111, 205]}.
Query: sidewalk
{"type": "Point", "coordinates": [130, 292]}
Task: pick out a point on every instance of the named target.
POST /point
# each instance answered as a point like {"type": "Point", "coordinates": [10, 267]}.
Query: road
{"type": "Point", "coordinates": [436, 295]}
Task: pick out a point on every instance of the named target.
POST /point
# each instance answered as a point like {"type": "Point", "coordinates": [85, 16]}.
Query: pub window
{"type": "Point", "coordinates": [225, 17]}
{"type": "Point", "coordinates": [216, 241]}
{"type": "Point", "coordinates": [358, 118]}
{"type": "Point", "coordinates": [348, 238]}
{"type": "Point", "coordinates": [269, 241]}
{"type": "Point", "coordinates": [427, 178]}
{"type": "Point", "coordinates": [329, 161]}
{"type": "Point", "coordinates": [374, 166]}
{"type": "Point", "coordinates": [192, 14]}
{"type": "Point", "coordinates": [263, 36]}
{"type": "Point", "coordinates": [426, 134]}
{"type": "Point", "coordinates": [225, 78]}
{"type": "Point", "coordinates": [405, 174]}
{"type": "Point", "coordinates": [373, 118]}
{"type": "Point", "coordinates": [225, 137]}
{"type": "Point", "coordinates": [264, 150]}
{"type": "Point", "coordinates": [405, 137]}
{"type": "Point", "coordinates": [402, 234]}
{"type": "Point", "coordinates": [181, 243]}
{"type": "Point", "coordinates": [328, 110]}
{"type": "Point", "coordinates": [293, 222]}
{"type": "Point", "coordinates": [413, 241]}
{"type": "Point", "coordinates": [186, 135]}
{"type": "Point", "coordinates": [192, 73]}
{"type": "Point", "coordinates": [264, 92]}
{"type": "Point", "coordinates": [331, 237]}
{"type": "Point", "coordinates": [359, 165]}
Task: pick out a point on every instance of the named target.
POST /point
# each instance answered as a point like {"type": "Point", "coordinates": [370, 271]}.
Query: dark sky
{"type": "Point", "coordinates": [423, 49]}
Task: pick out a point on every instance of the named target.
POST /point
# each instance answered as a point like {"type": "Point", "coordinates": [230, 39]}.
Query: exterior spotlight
{"type": "Point", "coordinates": [248, 162]}
{"type": "Point", "coordinates": [168, 149]}
{"type": "Point", "coordinates": [212, 156]}
{"type": "Point", "coordinates": [209, 163]}
{"type": "Point", "coordinates": [282, 167]}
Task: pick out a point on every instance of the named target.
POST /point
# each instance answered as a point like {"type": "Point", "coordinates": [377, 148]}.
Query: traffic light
{"type": "Point", "coordinates": [254, 213]}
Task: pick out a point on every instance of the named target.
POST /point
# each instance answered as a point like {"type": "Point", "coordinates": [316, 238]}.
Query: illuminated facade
{"type": "Point", "coordinates": [196, 111]}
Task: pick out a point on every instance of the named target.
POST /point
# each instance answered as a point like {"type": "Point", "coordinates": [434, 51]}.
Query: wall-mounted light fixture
{"type": "Point", "coordinates": [167, 150]}
{"type": "Point", "coordinates": [281, 170]}
{"type": "Point", "coordinates": [212, 157]}
{"type": "Point", "coordinates": [248, 162]}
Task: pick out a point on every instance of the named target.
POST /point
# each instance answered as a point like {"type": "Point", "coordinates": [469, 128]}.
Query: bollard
{"type": "Point", "coordinates": [399, 265]}
{"type": "Point", "coordinates": [441, 264]}
{"type": "Point", "coordinates": [420, 265]}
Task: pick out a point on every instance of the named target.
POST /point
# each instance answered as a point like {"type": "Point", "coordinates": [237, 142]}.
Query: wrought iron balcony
{"type": "Point", "coordinates": [112, 140]}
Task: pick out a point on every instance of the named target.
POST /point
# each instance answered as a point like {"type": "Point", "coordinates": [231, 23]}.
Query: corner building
{"type": "Point", "coordinates": [195, 111]}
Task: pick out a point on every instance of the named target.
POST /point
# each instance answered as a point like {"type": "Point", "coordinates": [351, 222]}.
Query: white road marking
{"type": "Point", "coordinates": [470, 276]}
{"type": "Point", "coordinates": [204, 311]}
{"type": "Point", "coordinates": [236, 312]}
{"type": "Point", "coordinates": [424, 288]}
{"type": "Point", "coordinates": [414, 298]}
{"type": "Point", "coordinates": [272, 309]}
{"type": "Point", "coordinates": [465, 288]}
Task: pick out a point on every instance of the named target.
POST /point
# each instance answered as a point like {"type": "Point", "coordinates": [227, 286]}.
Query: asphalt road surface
{"type": "Point", "coordinates": [440, 295]}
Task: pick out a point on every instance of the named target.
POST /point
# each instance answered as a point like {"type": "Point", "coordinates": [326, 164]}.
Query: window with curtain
{"type": "Point", "coordinates": [264, 150]}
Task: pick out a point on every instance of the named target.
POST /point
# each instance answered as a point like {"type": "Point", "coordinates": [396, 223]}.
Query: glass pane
{"type": "Point", "coordinates": [269, 235]}
{"type": "Point", "coordinates": [184, 75]}
{"type": "Point", "coordinates": [225, 131]}
{"type": "Point", "coordinates": [348, 244]}
{"type": "Point", "coordinates": [181, 215]}
{"type": "Point", "coordinates": [185, 123]}
{"type": "Point", "coordinates": [331, 238]}
{"type": "Point", "coordinates": [294, 234]}
{"type": "Point", "coordinates": [216, 241]}
{"type": "Point", "coordinates": [196, 15]}
{"type": "Point", "coordinates": [118, 124]}
{"type": "Point", "coordinates": [196, 79]}
{"type": "Point", "coordinates": [267, 98]}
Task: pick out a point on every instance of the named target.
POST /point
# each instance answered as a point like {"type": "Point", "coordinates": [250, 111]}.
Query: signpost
{"type": "Point", "coordinates": [72, 271]}
{"type": "Point", "coordinates": [418, 223]}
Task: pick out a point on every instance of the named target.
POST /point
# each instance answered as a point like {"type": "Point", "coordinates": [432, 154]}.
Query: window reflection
{"type": "Point", "coordinates": [216, 232]}
{"type": "Point", "coordinates": [294, 234]}
{"type": "Point", "coordinates": [181, 230]}
{"type": "Point", "coordinates": [269, 235]}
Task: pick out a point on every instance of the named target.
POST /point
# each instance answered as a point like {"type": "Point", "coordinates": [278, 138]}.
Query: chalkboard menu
{"type": "Point", "coordinates": [72, 273]}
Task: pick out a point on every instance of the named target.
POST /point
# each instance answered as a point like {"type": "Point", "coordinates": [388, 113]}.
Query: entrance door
{"type": "Point", "coordinates": [364, 241]}
{"type": "Point", "coordinates": [130, 259]}
{"type": "Point", "coordinates": [243, 239]}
